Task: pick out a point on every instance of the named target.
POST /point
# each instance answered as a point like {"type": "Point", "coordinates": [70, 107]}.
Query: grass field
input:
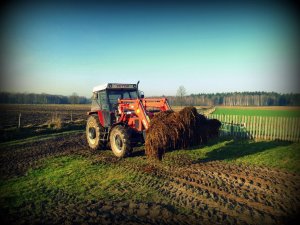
{"type": "Point", "coordinates": [90, 178]}
{"type": "Point", "coordinates": [260, 111]}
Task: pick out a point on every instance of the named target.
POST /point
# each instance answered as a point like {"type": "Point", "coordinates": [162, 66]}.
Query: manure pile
{"type": "Point", "coordinates": [176, 130]}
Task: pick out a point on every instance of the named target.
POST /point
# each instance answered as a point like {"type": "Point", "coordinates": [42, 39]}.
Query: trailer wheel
{"type": "Point", "coordinates": [93, 132]}
{"type": "Point", "coordinates": [120, 141]}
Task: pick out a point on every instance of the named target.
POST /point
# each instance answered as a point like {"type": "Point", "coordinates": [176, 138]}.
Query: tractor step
{"type": "Point", "coordinates": [104, 135]}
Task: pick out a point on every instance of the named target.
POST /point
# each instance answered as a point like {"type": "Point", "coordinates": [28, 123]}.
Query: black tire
{"type": "Point", "coordinates": [93, 132]}
{"type": "Point", "coordinates": [120, 141]}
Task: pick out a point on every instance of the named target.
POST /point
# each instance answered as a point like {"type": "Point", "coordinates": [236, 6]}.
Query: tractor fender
{"type": "Point", "coordinates": [103, 116]}
{"type": "Point", "coordinates": [91, 113]}
{"type": "Point", "coordinates": [100, 116]}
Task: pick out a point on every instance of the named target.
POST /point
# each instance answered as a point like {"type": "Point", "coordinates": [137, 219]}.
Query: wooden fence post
{"type": "Point", "coordinates": [275, 134]}
{"type": "Point", "coordinates": [284, 129]}
{"type": "Point", "coordinates": [260, 127]}
{"type": "Point", "coordinates": [280, 128]}
{"type": "Point", "coordinates": [19, 124]}
{"type": "Point", "coordinates": [294, 132]}
{"type": "Point", "coordinates": [254, 131]}
{"type": "Point", "coordinates": [244, 127]}
{"type": "Point", "coordinates": [298, 130]}
{"type": "Point", "coordinates": [272, 128]}
{"type": "Point", "coordinates": [288, 130]}
{"type": "Point", "coordinates": [250, 121]}
{"type": "Point", "coordinates": [265, 128]}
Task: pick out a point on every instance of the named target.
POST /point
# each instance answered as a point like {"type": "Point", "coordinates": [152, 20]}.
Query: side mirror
{"type": "Point", "coordinates": [141, 93]}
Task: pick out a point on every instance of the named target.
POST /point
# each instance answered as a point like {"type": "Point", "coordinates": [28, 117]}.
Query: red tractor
{"type": "Point", "coordinates": [119, 117]}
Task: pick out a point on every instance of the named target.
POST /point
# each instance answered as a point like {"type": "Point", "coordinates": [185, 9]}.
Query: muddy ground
{"type": "Point", "coordinates": [36, 115]}
{"type": "Point", "coordinates": [213, 192]}
{"type": "Point", "coordinates": [39, 119]}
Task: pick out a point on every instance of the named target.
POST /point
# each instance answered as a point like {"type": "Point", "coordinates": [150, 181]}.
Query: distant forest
{"type": "Point", "coordinates": [225, 99]}
{"type": "Point", "coordinates": [30, 98]}
{"type": "Point", "coordinates": [238, 99]}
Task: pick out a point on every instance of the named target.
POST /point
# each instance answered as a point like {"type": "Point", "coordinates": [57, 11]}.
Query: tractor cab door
{"type": "Point", "coordinates": [101, 106]}
{"type": "Point", "coordinates": [99, 101]}
{"type": "Point", "coordinates": [102, 95]}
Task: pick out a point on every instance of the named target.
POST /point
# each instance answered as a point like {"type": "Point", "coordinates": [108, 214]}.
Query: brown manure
{"type": "Point", "coordinates": [176, 130]}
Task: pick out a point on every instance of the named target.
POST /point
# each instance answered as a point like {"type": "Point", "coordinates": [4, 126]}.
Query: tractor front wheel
{"type": "Point", "coordinates": [93, 132]}
{"type": "Point", "coordinates": [120, 141]}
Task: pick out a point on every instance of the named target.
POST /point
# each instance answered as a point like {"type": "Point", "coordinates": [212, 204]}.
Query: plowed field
{"type": "Point", "coordinates": [183, 191]}
{"type": "Point", "coordinates": [35, 115]}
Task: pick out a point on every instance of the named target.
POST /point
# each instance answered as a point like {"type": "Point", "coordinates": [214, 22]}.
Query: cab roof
{"type": "Point", "coordinates": [114, 86]}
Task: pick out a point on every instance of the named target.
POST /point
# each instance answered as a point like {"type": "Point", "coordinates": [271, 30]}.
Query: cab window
{"type": "Point", "coordinates": [102, 99]}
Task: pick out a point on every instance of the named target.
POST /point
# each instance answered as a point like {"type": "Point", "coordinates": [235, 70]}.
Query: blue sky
{"type": "Point", "coordinates": [60, 50]}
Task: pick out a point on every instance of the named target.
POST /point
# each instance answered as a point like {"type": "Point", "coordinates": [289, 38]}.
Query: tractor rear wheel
{"type": "Point", "coordinates": [120, 141]}
{"type": "Point", "coordinates": [93, 133]}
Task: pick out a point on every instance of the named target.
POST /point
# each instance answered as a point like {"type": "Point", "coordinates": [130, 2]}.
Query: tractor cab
{"type": "Point", "coordinates": [105, 97]}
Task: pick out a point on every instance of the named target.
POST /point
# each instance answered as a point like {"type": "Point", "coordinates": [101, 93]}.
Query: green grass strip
{"type": "Point", "coordinates": [258, 112]}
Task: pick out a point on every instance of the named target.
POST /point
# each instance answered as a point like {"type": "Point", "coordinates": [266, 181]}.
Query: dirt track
{"type": "Point", "coordinates": [210, 192]}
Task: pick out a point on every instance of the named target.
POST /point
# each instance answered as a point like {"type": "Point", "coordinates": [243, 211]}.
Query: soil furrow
{"type": "Point", "coordinates": [258, 183]}
{"type": "Point", "coordinates": [241, 186]}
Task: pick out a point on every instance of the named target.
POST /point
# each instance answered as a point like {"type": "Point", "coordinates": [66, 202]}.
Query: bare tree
{"type": "Point", "coordinates": [181, 92]}
{"type": "Point", "coordinates": [74, 98]}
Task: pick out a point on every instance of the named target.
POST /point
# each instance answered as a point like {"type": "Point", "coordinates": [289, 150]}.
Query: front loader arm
{"type": "Point", "coordinates": [160, 103]}
{"type": "Point", "coordinates": [134, 106]}
{"type": "Point", "coordinates": [132, 110]}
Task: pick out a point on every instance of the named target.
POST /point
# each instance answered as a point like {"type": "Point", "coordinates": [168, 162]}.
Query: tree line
{"type": "Point", "coordinates": [226, 99]}
{"type": "Point", "coordinates": [236, 99]}
{"type": "Point", "coordinates": [31, 98]}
